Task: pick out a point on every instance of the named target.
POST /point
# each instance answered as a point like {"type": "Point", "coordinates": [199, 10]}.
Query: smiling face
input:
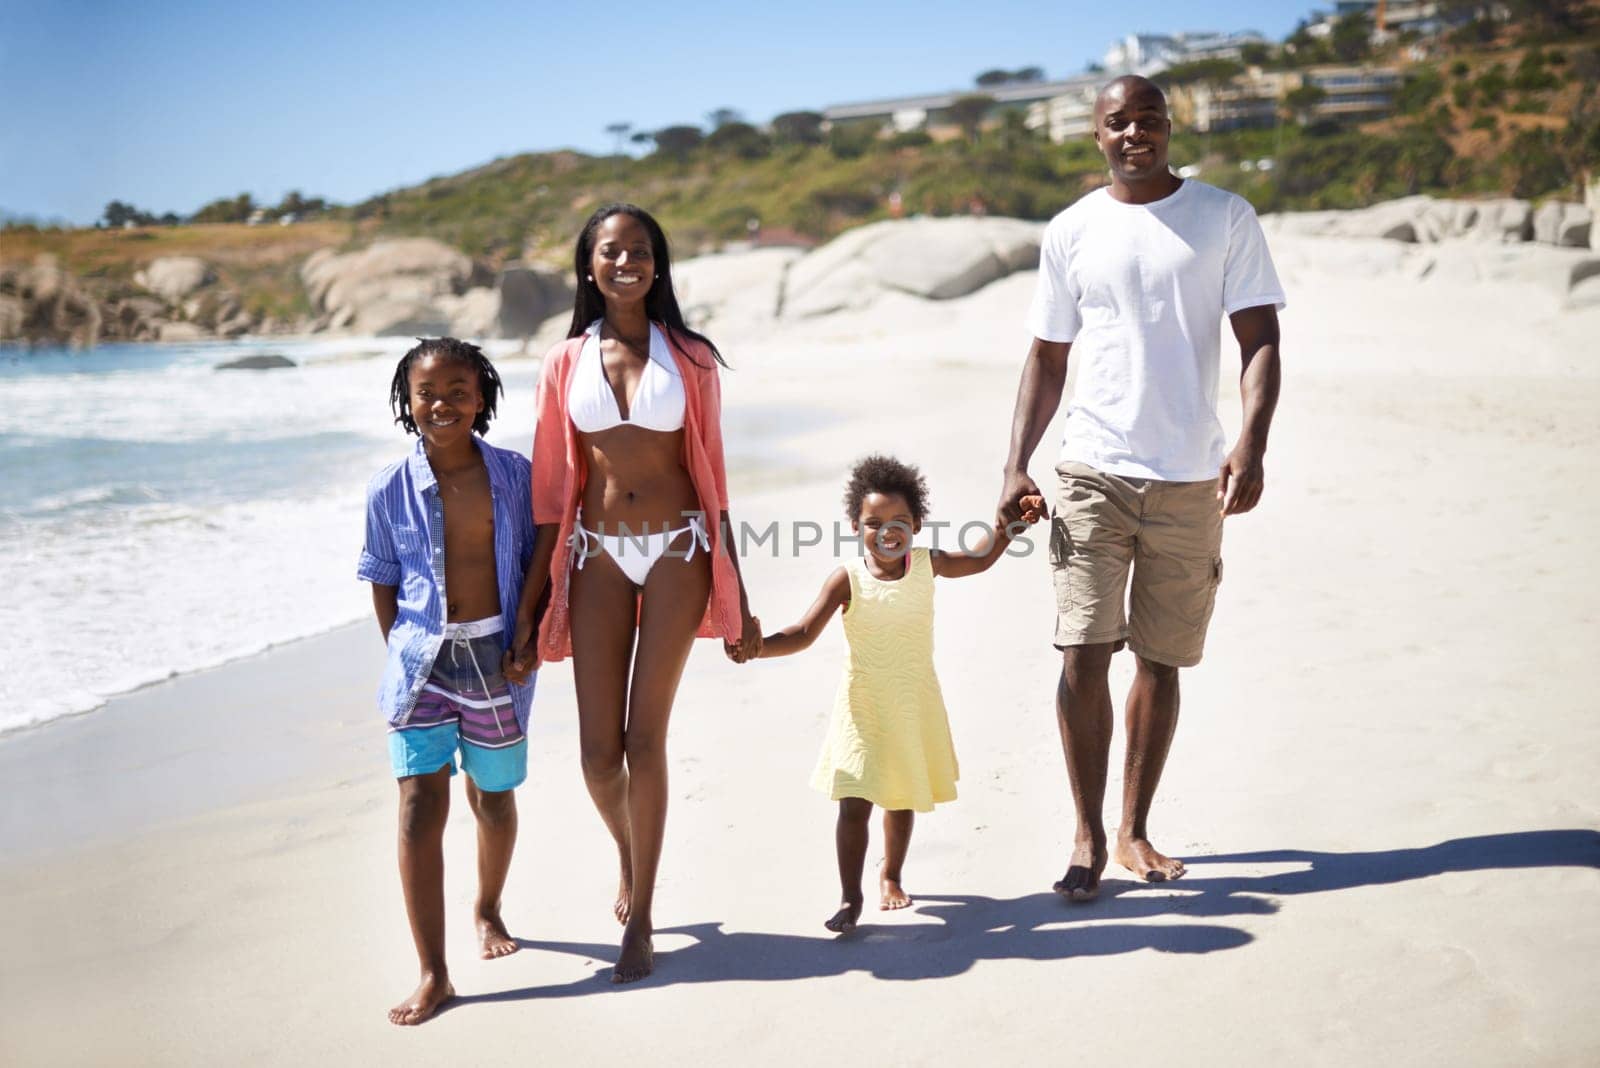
{"type": "Point", "coordinates": [886, 524]}
{"type": "Point", "coordinates": [445, 399]}
{"type": "Point", "coordinates": [623, 262]}
{"type": "Point", "coordinates": [1132, 128]}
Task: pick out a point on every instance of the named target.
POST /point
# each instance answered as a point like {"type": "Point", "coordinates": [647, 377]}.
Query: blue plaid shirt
{"type": "Point", "coordinates": [405, 549]}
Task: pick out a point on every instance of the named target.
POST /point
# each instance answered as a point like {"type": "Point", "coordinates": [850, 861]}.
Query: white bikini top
{"type": "Point", "coordinates": [657, 403]}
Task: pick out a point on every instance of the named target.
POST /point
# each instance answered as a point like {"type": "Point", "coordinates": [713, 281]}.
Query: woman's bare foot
{"type": "Point", "coordinates": [624, 903]}
{"type": "Point", "coordinates": [493, 938]}
{"type": "Point", "coordinates": [637, 958]}
{"type": "Point", "coordinates": [844, 921]}
{"type": "Point", "coordinates": [891, 896]}
{"type": "Point", "coordinates": [433, 991]}
{"type": "Point", "coordinates": [1141, 858]}
{"type": "Point", "coordinates": [1082, 881]}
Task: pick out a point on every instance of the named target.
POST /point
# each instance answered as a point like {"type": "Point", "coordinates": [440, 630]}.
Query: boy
{"type": "Point", "coordinates": [449, 536]}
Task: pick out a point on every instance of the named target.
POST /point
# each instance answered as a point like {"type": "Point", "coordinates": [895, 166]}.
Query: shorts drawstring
{"type": "Point", "coordinates": [459, 641]}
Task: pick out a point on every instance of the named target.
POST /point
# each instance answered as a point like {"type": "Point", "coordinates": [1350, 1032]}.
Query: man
{"type": "Point", "coordinates": [1133, 282]}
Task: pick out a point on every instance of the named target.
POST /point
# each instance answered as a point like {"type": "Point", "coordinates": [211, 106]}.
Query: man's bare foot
{"type": "Point", "coordinates": [891, 896]}
{"type": "Point", "coordinates": [1082, 881]}
{"type": "Point", "coordinates": [493, 938]}
{"type": "Point", "coordinates": [1141, 858]}
{"type": "Point", "coordinates": [844, 921]}
{"type": "Point", "coordinates": [637, 958]}
{"type": "Point", "coordinates": [433, 991]}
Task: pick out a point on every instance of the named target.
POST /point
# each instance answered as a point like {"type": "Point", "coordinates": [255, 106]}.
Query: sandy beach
{"type": "Point", "coordinates": [1383, 783]}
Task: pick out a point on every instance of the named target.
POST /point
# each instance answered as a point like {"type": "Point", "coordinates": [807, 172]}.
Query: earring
{"type": "Point", "coordinates": [590, 277]}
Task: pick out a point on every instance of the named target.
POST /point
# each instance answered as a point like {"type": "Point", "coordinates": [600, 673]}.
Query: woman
{"type": "Point", "coordinates": [631, 503]}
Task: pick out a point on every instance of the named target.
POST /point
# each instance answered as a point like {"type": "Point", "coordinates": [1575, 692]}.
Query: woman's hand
{"type": "Point", "coordinates": [748, 647]}
{"type": "Point", "coordinates": [522, 658]}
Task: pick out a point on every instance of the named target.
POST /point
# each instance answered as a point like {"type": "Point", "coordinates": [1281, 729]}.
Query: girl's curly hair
{"type": "Point", "coordinates": [885, 474]}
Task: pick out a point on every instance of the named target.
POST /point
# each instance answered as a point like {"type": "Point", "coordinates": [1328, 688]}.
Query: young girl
{"type": "Point", "coordinates": [889, 741]}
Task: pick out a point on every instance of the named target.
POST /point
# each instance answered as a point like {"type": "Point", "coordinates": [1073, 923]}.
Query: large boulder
{"type": "Point", "coordinates": [172, 278]}
{"type": "Point", "coordinates": [392, 287]}
{"type": "Point", "coordinates": [181, 332]}
{"type": "Point", "coordinates": [1504, 222]}
{"type": "Point", "coordinates": [529, 296]}
{"type": "Point", "coordinates": [936, 259]}
{"type": "Point", "coordinates": [733, 292]}
{"type": "Point", "coordinates": [1563, 225]}
{"type": "Point", "coordinates": [474, 314]}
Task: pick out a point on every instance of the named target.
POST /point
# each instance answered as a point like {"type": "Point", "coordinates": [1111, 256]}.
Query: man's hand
{"type": "Point", "coordinates": [522, 658]}
{"type": "Point", "coordinates": [1240, 481]}
{"type": "Point", "coordinates": [1017, 486]}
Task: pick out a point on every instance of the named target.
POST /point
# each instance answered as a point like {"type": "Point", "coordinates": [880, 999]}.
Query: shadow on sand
{"type": "Point", "coordinates": [968, 928]}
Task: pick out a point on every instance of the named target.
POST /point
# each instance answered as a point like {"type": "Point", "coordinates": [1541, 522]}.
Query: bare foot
{"type": "Point", "coordinates": [891, 896]}
{"type": "Point", "coordinates": [493, 937]}
{"type": "Point", "coordinates": [844, 921]}
{"type": "Point", "coordinates": [1082, 881]}
{"type": "Point", "coordinates": [433, 991]}
{"type": "Point", "coordinates": [637, 958]}
{"type": "Point", "coordinates": [623, 906]}
{"type": "Point", "coordinates": [1141, 858]}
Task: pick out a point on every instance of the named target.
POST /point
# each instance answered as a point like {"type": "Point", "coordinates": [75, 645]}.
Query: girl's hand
{"type": "Point", "coordinates": [522, 657]}
{"type": "Point", "coordinates": [1032, 508]}
{"type": "Point", "coordinates": [748, 647]}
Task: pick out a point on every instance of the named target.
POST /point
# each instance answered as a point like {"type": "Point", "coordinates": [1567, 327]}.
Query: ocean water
{"type": "Point", "coordinates": [158, 515]}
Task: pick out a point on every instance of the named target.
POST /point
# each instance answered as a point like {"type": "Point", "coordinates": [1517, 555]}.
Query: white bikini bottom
{"type": "Point", "coordinates": [636, 554]}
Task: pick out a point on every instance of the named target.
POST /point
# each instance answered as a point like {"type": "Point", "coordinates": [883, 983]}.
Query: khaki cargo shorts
{"type": "Point", "coordinates": [1168, 533]}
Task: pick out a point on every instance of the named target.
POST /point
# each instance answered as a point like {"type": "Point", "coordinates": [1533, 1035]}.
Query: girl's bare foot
{"type": "Point", "coordinates": [433, 991]}
{"type": "Point", "coordinates": [844, 921]}
{"type": "Point", "coordinates": [637, 958]}
{"type": "Point", "coordinates": [891, 896]}
{"type": "Point", "coordinates": [1082, 881]}
{"type": "Point", "coordinates": [1141, 858]}
{"type": "Point", "coordinates": [493, 938]}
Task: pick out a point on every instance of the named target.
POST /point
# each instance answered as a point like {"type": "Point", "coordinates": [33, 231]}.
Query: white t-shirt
{"type": "Point", "coordinates": [1140, 291]}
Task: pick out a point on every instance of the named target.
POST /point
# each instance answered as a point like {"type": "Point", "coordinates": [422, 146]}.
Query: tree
{"type": "Point", "coordinates": [1028, 75]}
{"type": "Point", "coordinates": [969, 111]}
{"type": "Point", "coordinates": [1351, 38]}
{"type": "Point", "coordinates": [738, 139]}
{"type": "Point", "coordinates": [227, 210]}
{"type": "Point", "coordinates": [990, 78]}
{"type": "Point", "coordinates": [798, 128]}
{"type": "Point", "coordinates": [723, 116]}
{"type": "Point", "coordinates": [118, 214]}
{"type": "Point", "coordinates": [618, 131]}
{"type": "Point", "coordinates": [677, 142]}
{"type": "Point", "coordinates": [1255, 54]}
{"type": "Point", "coordinates": [1303, 100]}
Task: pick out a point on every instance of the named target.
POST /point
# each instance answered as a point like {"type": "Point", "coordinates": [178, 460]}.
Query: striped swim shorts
{"type": "Point", "coordinates": [465, 703]}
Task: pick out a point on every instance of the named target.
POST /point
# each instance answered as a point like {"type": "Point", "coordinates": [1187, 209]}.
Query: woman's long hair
{"type": "Point", "coordinates": [660, 303]}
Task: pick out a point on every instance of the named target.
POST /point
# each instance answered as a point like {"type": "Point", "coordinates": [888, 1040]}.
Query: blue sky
{"type": "Point", "coordinates": [169, 105]}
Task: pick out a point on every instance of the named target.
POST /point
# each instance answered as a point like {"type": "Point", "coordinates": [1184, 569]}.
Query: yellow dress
{"type": "Point", "coordinates": [889, 740]}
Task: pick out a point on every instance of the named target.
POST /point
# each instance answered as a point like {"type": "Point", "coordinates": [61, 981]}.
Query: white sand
{"type": "Point", "coordinates": [1402, 658]}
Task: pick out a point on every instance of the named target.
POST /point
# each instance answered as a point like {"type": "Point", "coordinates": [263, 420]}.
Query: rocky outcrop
{"type": "Point", "coordinates": [936, 259]}
{"type": "Point", "coordinates": [733, 291]}
{"type": "Point", "coordinates": [391, 288]}
{"type": "Point", "coordinates": [172, 278]}
{"type": "Point", "coordinates": [45, 303]}
{"type": "Point", "coordinates": [1424, 220]}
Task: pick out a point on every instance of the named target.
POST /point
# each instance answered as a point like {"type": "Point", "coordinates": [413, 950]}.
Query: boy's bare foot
{"type": "Point", "coordinates": [433, 991]}
{"type": "Point", "coordinates": [891, 896]}
{"type": "Point", "coordinates": [637, 958]}
{"type": "Point", "coordinates": [1141, 858]}
{"type": "Point", "coordinates": [844, 921]}
{"type": "Point", "coordinates": [493, 937]}
{"type": "Point", "coordinates": [1082, 881]}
